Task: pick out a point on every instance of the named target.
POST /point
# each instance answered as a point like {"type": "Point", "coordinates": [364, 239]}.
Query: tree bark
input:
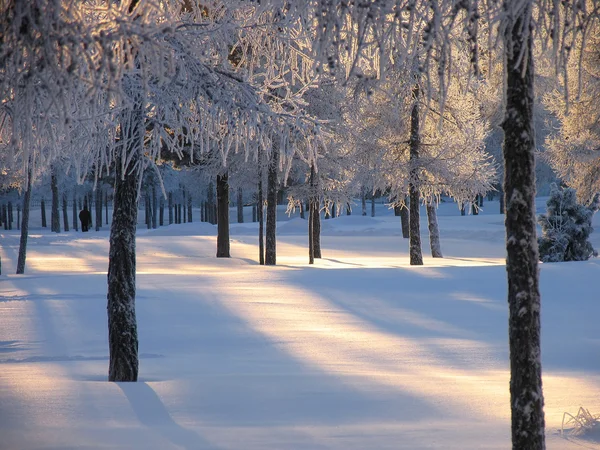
{"type": "Point", "coordinates": [10, 215]}
{"type": "Point", "coordinates": [316, 218]}
{"type": "Point", "coordinates": [54, 214]}
{"type": "Point", "coordinates": [271, 231]}
{"type": "Point", "coordinates": [43, 207]}
{"type": "Point", "coordinates": [434, 231]}
{"type": "Point", "coordinates": [75, 218]}
{"type": "Point", "coordinates": [170, 201]}
{"type": "Point", "coordinates": [405, 220]}
{"type": "Point", "coordinates": [526, 396]}
{"type": "Point", "coordinates": [416, 256]}
{"type": "Point", "coordinates": [98, 208]}
{"type": "Point", "coordinates": [223, 216]}
{"type": "Point", "coordinates": [25, 223]}
{"type": "Point", "coordinates": [184, 206]}
{"type": "Point", "coordinates": [373, 205]}
{"type": "Point", "coordinates": [106, 207]}
{"type": "Point", "coordinates": [363, 201]}
{"type": "Point", "coordinates": [161, 215]}
{"type": "Point", "coordinates": [65, 211]}
{"type": "Point", "coordinates": [122, 324]}
{"type": "Point", "coordinates": [240, 205]}
{"type": "Point", "coordinates": [189, 208]}
{"type": "Point", "coordinates": [311, 212]}
{"type": "Point", "coordinates": [154, 207]}
{"type": "Point", "coordinates": [260, 211]}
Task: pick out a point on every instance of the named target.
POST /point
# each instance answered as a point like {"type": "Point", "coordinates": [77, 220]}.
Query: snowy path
{"type": "Point", "coordinates": [360, 351]}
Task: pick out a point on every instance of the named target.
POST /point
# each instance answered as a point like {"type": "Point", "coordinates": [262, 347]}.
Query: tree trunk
{"type": "Point", "coordinates": [106, 207]}
{"type": "Point", "coordinates": [161, 215]}
{"type": "Point", "coordinates": [43, 207]}
{"type": "Point", "coordinates": [189, 208]}
{"type": "Point", "coordinates": [363, 201]}
{"type": "Point", "coordinates": [348, 209]}
{"type": "Point", "coordinates": [302, 215]}
{"type": "Point", "coordinates": [54, 214]}
{"type": "Point", "coordinates": [25, 222]}
{"type": "Point", "coordinates": [416, 256]}
{"type": "Point", "coordinates": [98, 208]}
{"type": "Point", "coordinates": [184, 207]}
{"type": "Point", "coordinates": [434, 231]}
{"type": "Point", "coordinates": [474, 207]}
{"type": "Point", "coordinates": [122, 324]}
{"type": "Point", "coordinates": [526, 396]}
{"type": "Point", "coordinates": [170, 202]}
{"type": "Point", "coordinates": [18, 216]}
{"type": "Point", "coordinates": [260, 211]}
{"type": "Point", "coordinates": [316, 215]}
{"type": "Point", "coordinates": [311, 212]}
{"type": "Point", "coordinates": [148, 209]}
{"type": "Point", "coordinates": [405, 220]}
{"type": "Point", "coordinates": [223, 216]}
{"type": "Point", "coordinates": [373, 205]}
{"type": "Point", "coordinates": [65, 211]}
{"type": "Point", "coordinates": [271, 231]}
{"type": "Point", "coordinates": [75, 218]}
{"type": "Point", "coordinates": [481, 200]}
{"type": "Point", "coordinates": [240, 206]}
{"type": "Point", "coordinates": [154, 207]}
{"type": "Point", "coordinates": [502, 206]}
{"type": "Point", "coordinates": [254, 219]}
{"type": "Point", "coordinates": [10, 215]}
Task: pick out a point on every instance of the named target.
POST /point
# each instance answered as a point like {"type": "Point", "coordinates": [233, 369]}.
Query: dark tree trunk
{"type": "Point", "coordinates": [184, 206]}
{"type": "Point", "coordinates": [260, 212]}
{"type": "Point", "coordinates": [43, 206]}
{"type": "Point", "coordinates": [481, 200]}
{"type": "Point", "coordinates": [405, 220]}
{"type": "Point", "coordinates": [373, 205]}
{"type": "Point", "coordinates": [148, 209]}
{"type": "Point", "coordinates": [179, 212]}
{"type": "Point", "coordinates": [202, 211]}
{"type": "Point", "coordinates": [170, 202]}
{"type": "Point", "coordinates": [161, 215]}
{"type": "Point", "coordinates": [122, 324]}
{"type": "Point", "coordinates": [416, 256]}
{"type": "Point", "coordinates": [223, 216]}
{"type": "Point", "coordinates": [75, 218]}
{"type": "Point", "coordinates": [25, 223]}
{"type": "Point", "coordinates": [5, 216]}
{"type": "Point", "coordinates": [463, 209]}
{"type": "Point", "coordinates": [189, 208]}
{"type": "Point", "coordinates": [502, 206]}
{"type": "Point", "coordinates": [106, 207]}
{"type": "Point", "coordinates": [10, 215]}
{"type": "Point", "coordinates": [240, 205]}
{"type": "Point", "coordinates": [348, 209]}
{"type": "Point", "coordinates": [311, 212]}
{"type": "Point", "coordinates": [397, 209]}
{"type": "Point", "coordinates": [271, 230]}
{"type": "Point", "coordinates": [65, 210]}
{"type": "Point", "coordinates": [363, 201]}
{"type": "Point", "coordinates": [18, 216]}
{"type": "Point", "coordinates": [154, 207]}
{"type": "Point", "coordinates": [526, 396]}
{"type": "Point", "coordinates": [254, 219]}
{"type": "Point", "coordinates": [99, 197]}
{"type": "Point", "coordinates": [434, 232]}
{"type": "Point", "coordinates": [316, 215]}
{"type": "Point", "coordinates": [474, 208]}
{"type": "Point", "coordinates": [302, 216]}
{"type": "Point", "coordinates": [54, 214]}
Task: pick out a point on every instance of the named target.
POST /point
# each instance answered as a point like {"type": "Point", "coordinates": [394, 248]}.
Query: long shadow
{"type": "Point", "coordinates": [152, 413]}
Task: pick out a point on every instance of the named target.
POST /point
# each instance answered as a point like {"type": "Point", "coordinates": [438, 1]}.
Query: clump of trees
{"type": "Point", "coordinates": [566, 227]}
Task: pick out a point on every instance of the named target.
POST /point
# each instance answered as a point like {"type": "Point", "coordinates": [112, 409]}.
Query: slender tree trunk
{"type": "Point", "coordinates": [54, 213]}
{"type": "Point", "coordinates": [474, 207]}
{"type": "Point", "coordinates": [373, 205]}
{"type": "Point", "coordinates": [481, 200]}
{"type": "Point", "coordinates": [311, 212]}
{"type": "Point", "coordinates": [65, 210]}
{"type": "Point", "coordinates": [18, 216]}
{"type": "Point", "coordinates": [179, 212]}
{"type": "Point", "coordinates": [170, 201]}
{"type": "Point", "coordinates": [154, 207]}
{"type": "Point", "coordinates": [98, 208]}
{"type": "Point", "coordinates": [106, 207]}
{"type": "Point", "coordinates": [416, 255]}
{"type": "Point", "coordinates": [260, 212]}
{"type": "Point", "coordinates": [254, 219]}
{"type": "Point", "coordinates": [184, 206]}
{"type": "Point", "coordinates": [502, 206]}
{"type": "Point", "coordinates": [271, 231]}
{"type": "Point", "coordinates": [348, 209]}
{"type": "Point", "coordinates": [5, 216]}
{"type": "Point", "coordinates": [363, 201]}
{"type": "Point", "coordinates": [463, 209]}
{"type": "Point", "coordinates": [75, 218]}
{"type": "Point", "coordinates": [43, 206]}
{"type": "Point", "coordinates": [25, 223]}
{"type": "Point", "coordinates": [302, 215]}
{"type": "Point", "coordinates": [161, 215]}
{"type": "Point", "coordinates": [240, 205]}
{"type": "Point", "coordinates": [316, 214]}
{"type": "Point", "coordinates": [122, 323]}
{"type": "Point", "coordinates": [189, 207]}
{"type": "Point", "coordinates": [223, 216]}
{"type": "Point", "coordinates": [148, 209]}
{"type": "Point", "coordinates": [526, 396]}
{"type": "Point", "coordinates": [434, 231]}
{"type": "Point", "coordinates": [10, 215]}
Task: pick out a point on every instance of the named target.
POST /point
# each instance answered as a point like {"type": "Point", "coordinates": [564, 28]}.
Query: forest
{"type": "Point", "coordinates": [208, 146]}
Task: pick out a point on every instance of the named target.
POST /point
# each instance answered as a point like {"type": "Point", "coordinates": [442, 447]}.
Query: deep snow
{"type": "Point", "coordinates": [359, 351]}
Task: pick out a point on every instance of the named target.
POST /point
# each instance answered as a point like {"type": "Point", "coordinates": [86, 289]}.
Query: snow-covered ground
{"type": "Point", "coordinates": [359, 351]}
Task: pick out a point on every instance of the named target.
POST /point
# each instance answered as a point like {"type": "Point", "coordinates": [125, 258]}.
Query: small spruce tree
{"type": "Point", "coordinates": [566, 227]}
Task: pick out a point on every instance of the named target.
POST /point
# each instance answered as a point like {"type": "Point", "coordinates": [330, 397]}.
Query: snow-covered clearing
{"type": "Point", "coordinates": [359, 351]}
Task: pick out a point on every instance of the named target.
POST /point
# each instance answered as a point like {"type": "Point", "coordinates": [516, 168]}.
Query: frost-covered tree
{"type": "Point", "coordinates": [566, 227]}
